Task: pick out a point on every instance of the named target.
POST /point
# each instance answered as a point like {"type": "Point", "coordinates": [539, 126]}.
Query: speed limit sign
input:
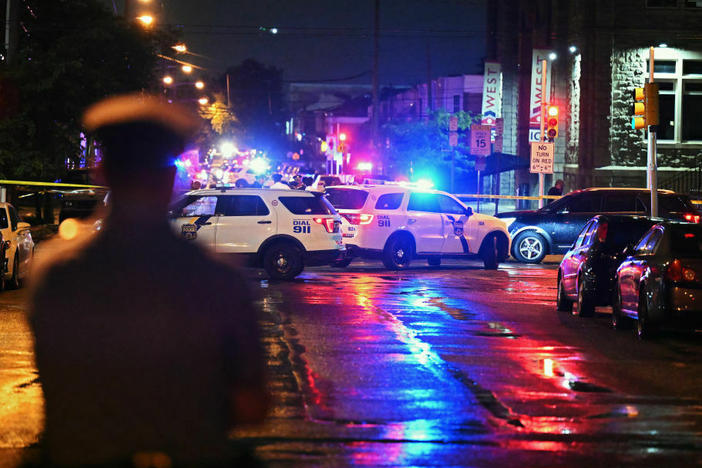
{"type": "Point", "coordinates": [480, 140]}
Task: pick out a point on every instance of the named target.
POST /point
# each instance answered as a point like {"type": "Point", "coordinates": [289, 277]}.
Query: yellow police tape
{"type": "Point", "coordinates": [459, 195]}
{"type": "Point", "coordinates": [46, 184]}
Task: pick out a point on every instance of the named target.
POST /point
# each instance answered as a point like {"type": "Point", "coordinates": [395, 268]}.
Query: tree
{"type": "Point", "coordinates": [256, 97]}
{"type": "Point", "coordinates": [422, 146]}
{"type": "Point", "coordinates": [72, 53]}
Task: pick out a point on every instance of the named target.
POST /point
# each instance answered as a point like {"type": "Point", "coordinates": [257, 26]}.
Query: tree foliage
{"type": "Point", "coordinates": [423, 145]}
{"type": "Point", "coordinates": [71, 53]}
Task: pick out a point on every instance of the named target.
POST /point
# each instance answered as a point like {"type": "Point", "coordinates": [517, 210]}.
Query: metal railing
{"type": "Point", "coordinates": [688, 182]}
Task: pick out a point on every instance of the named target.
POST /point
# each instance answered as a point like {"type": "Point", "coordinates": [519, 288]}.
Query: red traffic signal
{"type": "Point", "coordinates": [551, 122]}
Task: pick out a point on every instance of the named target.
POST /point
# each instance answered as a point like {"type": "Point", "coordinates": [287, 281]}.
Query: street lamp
{"type": "Point", "coordinates": [199, 84]}
{"type": "Point", "coordinates": [187, 68]}
{"type": "Point", "coordinates": [146, 20]}
{"type": "Point", "coordinates": [168, 80]}
{"type": "Point", "coordinates": [180, 48]}
{"type": "Point", "coordinates": [203, 101]}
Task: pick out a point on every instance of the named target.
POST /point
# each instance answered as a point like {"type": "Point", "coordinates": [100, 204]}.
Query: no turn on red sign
{"type": "Point", "coordinates": [541, 158]}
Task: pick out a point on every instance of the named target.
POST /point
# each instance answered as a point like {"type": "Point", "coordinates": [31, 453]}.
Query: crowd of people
{"type": "Point", "coordinates": [276, 181]}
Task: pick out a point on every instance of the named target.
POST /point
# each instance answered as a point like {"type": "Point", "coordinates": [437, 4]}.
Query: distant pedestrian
{"type": "Point", "coordinates": [277, 182]}
{"type": "Point", "coordinates": [556, 190]}
{"type": "Point", "coordinates": [307, 182]}
{"type": "Point", "coordinates": [296, 183]}
{"type": "Point", "coordinates": [155, 355]}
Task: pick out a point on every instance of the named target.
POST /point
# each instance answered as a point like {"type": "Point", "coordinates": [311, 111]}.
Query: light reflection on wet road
{"type": "Point", "coordinates": [457, 366]}
{"type": "Point", "coordinates": [449, 366]}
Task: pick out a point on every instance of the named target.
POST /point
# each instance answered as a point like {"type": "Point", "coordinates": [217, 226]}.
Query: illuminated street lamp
{"type": "Point", "coordinates": [168, 80]}
{"type": "Point", "coordinates": [180, 48]}
{"type": "Point", "coordinates": [187, 68]}
{"type": "Point", "coordinates": [146, 20]}
{"type": "Point", "coordinates": [199, 84]}
{"type": "Point", "coordinates": [203, 101]}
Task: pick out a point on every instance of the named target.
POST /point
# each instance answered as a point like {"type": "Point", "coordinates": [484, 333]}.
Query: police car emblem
{"type": "Point", "coordinates": [458, 227]}
{"type": "Point", "coordinates": [189, 231]}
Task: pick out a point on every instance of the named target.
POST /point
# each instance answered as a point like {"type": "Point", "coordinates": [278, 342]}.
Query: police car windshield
{"type": "Point", "coordinates": [347, 199]}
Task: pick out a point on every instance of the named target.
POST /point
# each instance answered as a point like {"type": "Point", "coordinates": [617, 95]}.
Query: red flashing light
{"type": "Point", "coordinates": [328, 224]}
{"type": "Point", "coordinates": [693, 218]}
{"type": "Point", "coordinates": [689, 235]}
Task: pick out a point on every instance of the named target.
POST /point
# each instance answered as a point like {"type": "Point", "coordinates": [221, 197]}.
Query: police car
{"type": "Point", "coordinates": [398, 223]}
{"type": "Point", "coordinates": [280, 230]}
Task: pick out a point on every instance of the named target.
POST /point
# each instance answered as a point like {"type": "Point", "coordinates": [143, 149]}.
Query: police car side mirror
{"type": "Point", "coordinates": [469, 211]}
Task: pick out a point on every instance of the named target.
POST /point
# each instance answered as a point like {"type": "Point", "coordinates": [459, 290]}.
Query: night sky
{"type": "Point", "coordinates": [322, 40]}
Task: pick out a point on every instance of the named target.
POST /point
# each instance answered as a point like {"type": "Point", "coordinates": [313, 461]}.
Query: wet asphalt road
{"type": "Point", "coordinates": [449, 366]}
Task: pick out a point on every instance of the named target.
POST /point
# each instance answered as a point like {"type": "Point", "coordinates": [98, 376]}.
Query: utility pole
{"type": "Point", "coordinates": [542, 136]}
{"type": "Point", "coordinates": [376, 51]}
{"type": "Point", "coordinates": [430, 102]}
{"type": "Point", "coordinates": [651, 159]}
{"type": "Point", "coordinates": [10, 30]}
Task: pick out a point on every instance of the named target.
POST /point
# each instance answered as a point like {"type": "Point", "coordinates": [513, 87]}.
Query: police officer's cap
{"type": "Point", "coordinates": [139, 128]}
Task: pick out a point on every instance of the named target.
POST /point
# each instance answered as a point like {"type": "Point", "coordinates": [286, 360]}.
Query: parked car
{"type": "Point", "coordinates": [397, 223]}
{"type": "Point", "coordinates": [80, 202]}
{"type": "Point", "coordinates": [587, 273]}
{"type": "Point", "coordinates": [660, 281]}
{"type": "Point", "coordinates": [19, 246]}
{"type": "Point", "coordinates": [553, 228]}
{"type": "Point", "coordinates": [280, 230]}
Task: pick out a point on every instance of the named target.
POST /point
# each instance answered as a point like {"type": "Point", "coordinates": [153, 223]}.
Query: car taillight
{"type": "Point", "coordinates": [674, 271]}
{"type": "Point", "coordinates": [358, 218]}
{"type": "Point", "coordinates": [602, 232]}
{"type": "Point", "coordinates": [692, 218]}
{"type": "Point", "coordinates": [677, 272]}
{"type": "Point", "coordinates": [328, 223]}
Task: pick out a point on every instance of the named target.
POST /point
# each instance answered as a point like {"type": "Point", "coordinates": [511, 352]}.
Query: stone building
{"type": "Point", "coordinates": [599, 53]}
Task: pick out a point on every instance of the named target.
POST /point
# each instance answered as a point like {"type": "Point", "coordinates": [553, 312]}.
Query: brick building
{"type": "Point", "coordinates": [601, 52]}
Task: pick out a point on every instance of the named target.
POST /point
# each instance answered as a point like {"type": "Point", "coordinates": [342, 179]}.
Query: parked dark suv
{"type": "Point", "coordinates": [553, 228]}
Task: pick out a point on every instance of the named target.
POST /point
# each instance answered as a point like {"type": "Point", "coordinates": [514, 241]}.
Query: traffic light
{"type": "Point", "coordinates": [551, 123]}
{"type": "Point", "coordinates": [645, 107]}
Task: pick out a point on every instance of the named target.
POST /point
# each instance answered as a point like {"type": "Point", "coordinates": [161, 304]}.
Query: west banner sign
{"type": "Point", "coordinates": [492, 93]}
{"type": "Point", "coordinates": [540, 91]}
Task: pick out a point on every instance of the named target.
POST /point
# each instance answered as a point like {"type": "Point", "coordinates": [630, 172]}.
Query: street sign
{"type": "Point", "coordinates": [480, 140]}
{"type": "Point", "coordinates": [453, 123]}
{"type": "Point", "coordinates": [541, 158]}
{"type": "Point", "coordinates": [480, 163]}
{"type": "Point", "coordinates": [453, 139]}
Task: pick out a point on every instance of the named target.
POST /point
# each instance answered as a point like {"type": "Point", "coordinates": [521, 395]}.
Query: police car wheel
{"type": "Point", "coordinates": [529, 247]}
{"type": "Point", "coordinates": [282, 261]}
{"type": "Point", "coordinates": [397, 254]}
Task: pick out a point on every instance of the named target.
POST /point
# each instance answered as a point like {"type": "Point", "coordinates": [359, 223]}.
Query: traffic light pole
{"type": "Point", "coordinates": [542, 134]}
{"type": "Point", "coordinates": [651, 163]}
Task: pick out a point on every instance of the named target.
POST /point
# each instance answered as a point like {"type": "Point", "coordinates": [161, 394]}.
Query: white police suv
{"type": "Point", "coordinates": [398, 223]}
{"type": "Point", "coordinates": [280, 230]}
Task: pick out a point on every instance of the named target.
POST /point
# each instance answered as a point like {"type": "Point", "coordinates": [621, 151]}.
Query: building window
{"type": "Point", "coordinates": [679, 77]}
{"type": "Point", "coordinates": [457, 103]}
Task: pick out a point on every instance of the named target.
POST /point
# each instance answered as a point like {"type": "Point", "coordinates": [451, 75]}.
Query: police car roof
{"type": "Point", "coordinates": [249, 191]}
{"type": "Point", "coordinates": [386, 188]}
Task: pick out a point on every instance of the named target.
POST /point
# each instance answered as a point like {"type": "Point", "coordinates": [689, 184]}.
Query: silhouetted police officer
{"type": "Point", "coordinates": [148, 350]}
